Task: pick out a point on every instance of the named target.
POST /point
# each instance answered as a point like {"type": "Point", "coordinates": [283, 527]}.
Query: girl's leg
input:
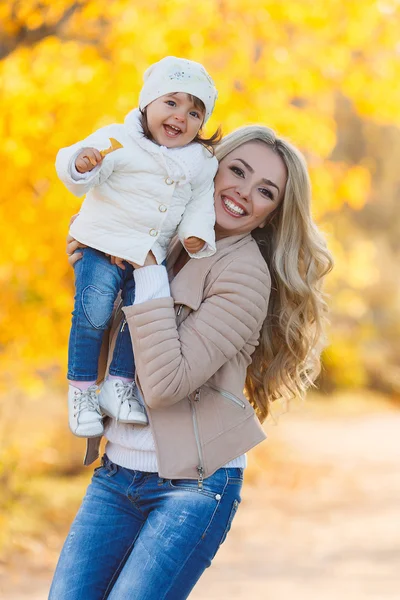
{"type": "Point", "coordinates": [123, 364]}
{"type": "Point", "coordinates": [97, 284]}
{"type": "Point", "coordinates": [100, 538]}
{"type": "Point", "coordinates": [117, 397]}
{"type": "Point", "coordinates": [182, 533]}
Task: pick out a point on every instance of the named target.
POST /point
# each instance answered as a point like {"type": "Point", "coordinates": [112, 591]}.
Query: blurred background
{"type": "Point", "coordinates": [320, 516]}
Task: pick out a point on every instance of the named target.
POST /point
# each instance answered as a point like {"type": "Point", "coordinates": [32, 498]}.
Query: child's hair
{"type": "Point", "coordinates": [208, 143]}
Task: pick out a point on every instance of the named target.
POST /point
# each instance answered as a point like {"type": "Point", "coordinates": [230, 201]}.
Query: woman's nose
{"type": "Point", "coordinates": [244, 191]}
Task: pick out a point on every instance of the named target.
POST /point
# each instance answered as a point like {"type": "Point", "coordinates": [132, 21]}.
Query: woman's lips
{"type": "Point", "coordinates": [232, 207]}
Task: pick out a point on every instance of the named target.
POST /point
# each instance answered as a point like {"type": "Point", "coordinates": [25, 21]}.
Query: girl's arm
{"type": "Point", "coordinates": [199, 217]}
{"type": "Point", "coordinates": [172, 362]}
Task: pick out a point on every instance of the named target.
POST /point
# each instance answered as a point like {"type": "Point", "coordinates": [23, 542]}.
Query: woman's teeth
{"type": "Point", "coordinates": [232, 207]}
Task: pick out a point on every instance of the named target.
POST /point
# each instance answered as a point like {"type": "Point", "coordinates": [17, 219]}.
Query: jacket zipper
{"type": "Point", "coordinates": [123, 326]}
{"type": "Point", "coordinates": [179, 310]}
{"type": "Point", "coordinates": [200, 468]}
{"type": "Point", "coordinates": [226, 394]}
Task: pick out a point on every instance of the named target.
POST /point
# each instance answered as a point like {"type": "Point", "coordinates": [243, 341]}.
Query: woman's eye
{"type": "Point", "coordinates": [267, 193]}
{"type": "Point", "coordinates": [237, 171]}
{"type": "Point", "coordinates": [171, 103]}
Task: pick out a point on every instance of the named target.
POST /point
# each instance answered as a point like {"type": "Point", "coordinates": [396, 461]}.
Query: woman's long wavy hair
{"type": "Point", "coordinates": [287, 359]}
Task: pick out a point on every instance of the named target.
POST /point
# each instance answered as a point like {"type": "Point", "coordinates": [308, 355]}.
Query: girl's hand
{"type": "Point", "coordinates": [150, 260]}
{"type": "Point", "coordinates": [87, 160]}
{"type": "Point", "coordinates": [193, 244]}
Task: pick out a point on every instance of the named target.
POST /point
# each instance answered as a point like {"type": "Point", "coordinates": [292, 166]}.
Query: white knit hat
{"type": "Point", "coordinates": [173, 74]}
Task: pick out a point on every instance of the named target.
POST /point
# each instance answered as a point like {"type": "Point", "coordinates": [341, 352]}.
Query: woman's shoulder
{"type": "Point", "coordinates": [242, 263]}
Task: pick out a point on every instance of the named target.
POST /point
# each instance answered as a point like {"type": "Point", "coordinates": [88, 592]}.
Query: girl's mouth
{"type": "Point", "coordinates": [171, 131]}
{"type": "Point", "coordinates": [232, 207]}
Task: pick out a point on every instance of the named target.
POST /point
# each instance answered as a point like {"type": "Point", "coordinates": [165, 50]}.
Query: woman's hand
{"type": "Point", "coordinates": [150, 260]}
{"type": "Point", "coordinates": [115, 260]}
{"type": "Point", "coordinates": [72, 245]}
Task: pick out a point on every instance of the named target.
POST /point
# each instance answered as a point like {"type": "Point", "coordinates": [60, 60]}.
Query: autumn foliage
{"type": "Point", "coordinates": [312, 70]}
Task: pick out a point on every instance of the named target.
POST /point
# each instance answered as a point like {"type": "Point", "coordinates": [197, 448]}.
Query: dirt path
{"type": "Point", "coordinates": [321, 522]}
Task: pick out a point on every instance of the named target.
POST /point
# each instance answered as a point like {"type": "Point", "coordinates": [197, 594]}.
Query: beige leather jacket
{"type": "Point", "coordinates": [192, 351]}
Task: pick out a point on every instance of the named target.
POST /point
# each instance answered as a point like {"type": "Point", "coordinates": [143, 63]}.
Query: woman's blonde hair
{"type": "Point", "coordinates": [287, 360]}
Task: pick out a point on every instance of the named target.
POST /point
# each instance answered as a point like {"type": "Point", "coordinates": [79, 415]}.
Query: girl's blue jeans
{"type": "Point", "coordinates": [97, 284]}
{"type": "Point", "coordinates": [140, 537]}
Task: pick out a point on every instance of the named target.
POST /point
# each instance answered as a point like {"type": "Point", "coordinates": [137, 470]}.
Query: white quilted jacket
{"type": "Point", "coordinates": [141, 194]}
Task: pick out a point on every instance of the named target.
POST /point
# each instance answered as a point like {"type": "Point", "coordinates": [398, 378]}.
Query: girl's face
{"type": "Point", "coordinates": [174, 120]}
{"type": "Point", "coordinates": [249, 186]}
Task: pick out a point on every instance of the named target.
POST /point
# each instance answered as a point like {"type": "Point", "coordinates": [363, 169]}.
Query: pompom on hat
{"type": "Point", "coordinates": [171, 75]}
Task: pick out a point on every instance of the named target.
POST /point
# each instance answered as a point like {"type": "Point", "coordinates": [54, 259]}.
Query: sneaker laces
{"type": "Point", "coordinates": [87, 400]}
{"type": "Point", "coordinates": [126, 393]}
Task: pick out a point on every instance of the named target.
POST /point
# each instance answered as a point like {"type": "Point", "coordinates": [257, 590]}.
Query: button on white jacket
{"type": "Point", "coordinates": [141, 194]}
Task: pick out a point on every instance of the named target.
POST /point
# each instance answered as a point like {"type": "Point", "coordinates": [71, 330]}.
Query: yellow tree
{"type": "Point", "coordinates": [68, 68]}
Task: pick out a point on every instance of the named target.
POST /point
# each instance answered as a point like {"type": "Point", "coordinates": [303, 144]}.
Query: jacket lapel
{"type": "Point", "coordinates": [187, 287]}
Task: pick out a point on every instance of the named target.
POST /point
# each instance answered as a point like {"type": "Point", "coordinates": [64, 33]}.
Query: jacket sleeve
{"type": "Point", "coordinates": [199, 217]}
{"type": "Point", "coordinates": [65, 163]}
{"type": "Point", "coordinates": [172, 362]}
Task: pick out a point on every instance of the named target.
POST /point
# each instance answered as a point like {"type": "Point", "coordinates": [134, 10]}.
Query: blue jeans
{"type": "Point", "coordinates": [97, 283]}
{"type": "Point", "coordinates": [140, 537]}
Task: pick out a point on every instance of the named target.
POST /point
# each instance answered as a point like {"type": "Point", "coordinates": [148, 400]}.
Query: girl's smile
{"type": "Point", "coordinates": [174, 120]}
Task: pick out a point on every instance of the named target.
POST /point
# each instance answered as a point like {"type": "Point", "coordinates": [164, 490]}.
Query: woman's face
{"type": "Point", "coordinates": [249, 185]}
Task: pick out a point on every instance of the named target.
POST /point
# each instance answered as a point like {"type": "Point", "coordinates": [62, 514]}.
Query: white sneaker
{"type": "Point", "coordinates": [117, 400]}
{"type": "Point", "coordinates": [84, 416]}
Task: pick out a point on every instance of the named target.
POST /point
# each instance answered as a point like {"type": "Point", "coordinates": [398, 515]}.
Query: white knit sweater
{"type": "Point", "coordinates": [132, 446]}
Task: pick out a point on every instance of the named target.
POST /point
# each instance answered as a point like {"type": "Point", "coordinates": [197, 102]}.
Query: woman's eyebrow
{"type": "Point", "coordinates": [266, 181]}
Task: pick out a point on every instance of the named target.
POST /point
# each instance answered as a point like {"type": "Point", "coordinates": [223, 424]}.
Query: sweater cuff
{"type": "Point", "coordinates": [151, 282]}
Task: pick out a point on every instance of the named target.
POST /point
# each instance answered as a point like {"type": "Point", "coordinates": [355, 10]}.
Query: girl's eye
{"type": "Point", "coordinates": [171, 103]}
{"type": "Point", "coordinates": [237, 171]}
{"type": "Point", "coordinates": [195, 114]}
{"type": "Point", "coordinates": [266, 192]}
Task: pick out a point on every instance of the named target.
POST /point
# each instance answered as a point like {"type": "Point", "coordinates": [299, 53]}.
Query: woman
{"type": "Point", "coordinates": [250, 316]}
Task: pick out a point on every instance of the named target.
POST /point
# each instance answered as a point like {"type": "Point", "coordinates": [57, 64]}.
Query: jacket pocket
{"type": "Point", "coordinates": [228, 395]}
{"type": "Point", "coordinates": [232, 514]}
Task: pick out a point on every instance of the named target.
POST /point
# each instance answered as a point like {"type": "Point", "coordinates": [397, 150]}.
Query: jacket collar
{"type": "Point", "coordinates": [187, 287]}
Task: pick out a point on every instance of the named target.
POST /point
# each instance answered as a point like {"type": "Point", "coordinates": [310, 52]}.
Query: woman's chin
{"type": "Point", "coordinates": [228, 222]}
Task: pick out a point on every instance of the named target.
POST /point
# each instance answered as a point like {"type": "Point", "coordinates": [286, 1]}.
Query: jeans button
{"type": "Point", "coordinates": [218, 496]}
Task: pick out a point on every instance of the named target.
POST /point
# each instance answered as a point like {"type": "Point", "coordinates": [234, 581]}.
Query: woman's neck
{"type": "Point", "coordinates": [220, 234]}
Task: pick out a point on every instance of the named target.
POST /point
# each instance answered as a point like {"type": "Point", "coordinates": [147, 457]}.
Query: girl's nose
{"type": "Point", "coordinates": [180, 118]}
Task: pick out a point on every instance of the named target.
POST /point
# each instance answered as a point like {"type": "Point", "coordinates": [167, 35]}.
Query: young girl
{"type": "Point", "coordinates": [145, 180]}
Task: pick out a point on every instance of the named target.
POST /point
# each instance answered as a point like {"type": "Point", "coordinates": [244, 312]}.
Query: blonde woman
{"type": "Point", "coordinates": [250, 318]}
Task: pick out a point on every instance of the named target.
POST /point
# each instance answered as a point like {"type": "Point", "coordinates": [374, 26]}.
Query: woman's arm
{"type": "Point", "coordinates": [172, 362]}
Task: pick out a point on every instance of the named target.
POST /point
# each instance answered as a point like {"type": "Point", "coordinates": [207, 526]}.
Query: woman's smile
{"type": "Point", "coordinates": [249, 186]}
{"type": "Point", "coordinates": [233, 207]}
